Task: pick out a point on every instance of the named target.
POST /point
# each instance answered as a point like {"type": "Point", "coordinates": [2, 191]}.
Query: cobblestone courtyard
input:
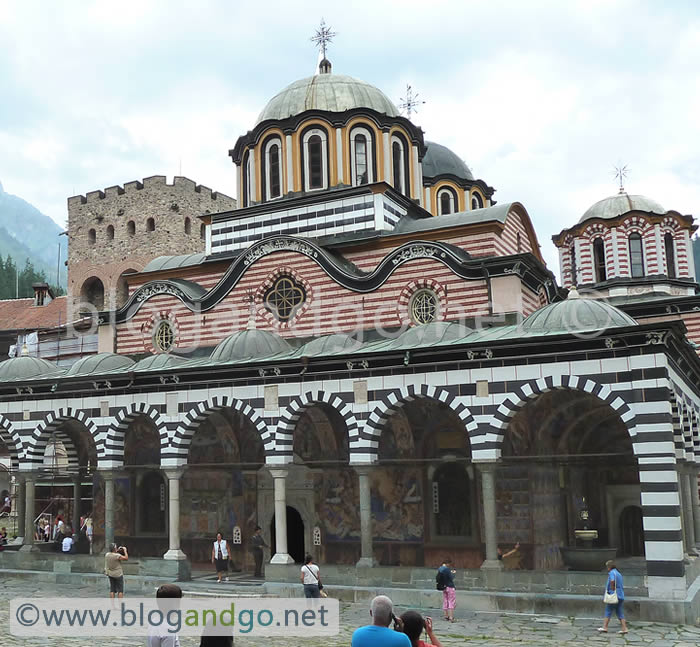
{"type": "Point", "coordinates": [471, 629]}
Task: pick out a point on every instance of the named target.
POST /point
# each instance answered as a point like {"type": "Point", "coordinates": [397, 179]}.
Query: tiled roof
{"type": "Point", "coordinates": [22, 314]}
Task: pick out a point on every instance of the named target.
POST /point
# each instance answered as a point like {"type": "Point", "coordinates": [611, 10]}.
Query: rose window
{"type": "Point", "coordinates": [424, 307]}
{"type": "Point", "coordinates": [284, 298]}
{"type": "Point", "coordinates": [164, 337]}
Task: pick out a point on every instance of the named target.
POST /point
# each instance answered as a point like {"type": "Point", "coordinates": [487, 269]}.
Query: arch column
{"type": "Point", "coordinates": [684, 476]}
{"type": "Point", "coordinates": [76, 506]}
{"type": "Point", "coordinates": [19, 503]}
{"type": "Point", "coordinates": [695, 497]}
{"type": "Point", "coordinates": [488, 495]}
{"type": "Point", "coordinates": [29, 509]}
{"type": "Point", "coordinates": [174, 551]}
{"type": "Point", "coordinates": [108, 477]}
{"type": "Point", "coordinates": [366, 552]}
{"type": "Point", "coordinates": [279, 477]}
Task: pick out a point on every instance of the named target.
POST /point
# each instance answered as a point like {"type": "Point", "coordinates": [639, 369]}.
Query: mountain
{"type": "Point", "coordinates": [25, 232]}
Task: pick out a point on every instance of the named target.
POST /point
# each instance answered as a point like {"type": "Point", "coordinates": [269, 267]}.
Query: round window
{"type": "Point", "coordinates": [164, 337]}
{"type": "Point", "coordinates": [284, 298]}
{"type": "Point", "coordinates": [424, 307]}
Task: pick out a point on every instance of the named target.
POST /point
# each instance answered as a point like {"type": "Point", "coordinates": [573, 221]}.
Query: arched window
{"type": "Point", "coordinates": [362, 152]}
{"type": "Point", "coordinates": [477, 201]}
{"type": "Point", "coordinates": [151, 224]}
{"type": "Point", "coordinates": [92, 236]}
{"type": "Point", "coordinates": [131, 228]}
{"type": "Point", "coordinates": [188, 226]}
{"type": "Point", "coordinates": [272, 173]}
{"type": "Point", "coordinates": [245, 184]}
{"type": "Point", "coordinates": [599, 260]}
{"type": "Point", "coordinates": [670, 256]}
{"type": "Point", "coordinates": [110, 233]}
{"type": "Point", "coordinates": [574, 269]}
{"type": "Point", "coordinates": [519, 243]}
{"type": "Point", "coordinates": [315, 159]}
{"type": "Point", "coordinates": [452, 501]}
{"type": "Point", "coordinates": [203, 231]}
{"type": "Point", "coordinates": [399, 164]}
{"type": "Point", "coordinates": [447, 201]}
{"type": "Point", "coordinates": [636, 255]}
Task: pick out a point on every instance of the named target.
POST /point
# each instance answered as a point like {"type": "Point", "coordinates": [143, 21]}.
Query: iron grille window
{"type": "Point", "coordinates": [424, 307]}
{"type": "Point", "coordinates": [285, 298]}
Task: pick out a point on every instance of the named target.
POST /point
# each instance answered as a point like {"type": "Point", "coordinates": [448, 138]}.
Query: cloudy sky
{"type": "Point", "coordinates": [541, 99]}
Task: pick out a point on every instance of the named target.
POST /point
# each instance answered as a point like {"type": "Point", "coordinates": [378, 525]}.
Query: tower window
{"type": "Point", "coordinates": [188, 226]}
{"type": "Point", "coordinates": [361, 147]}
{"type": "Point", "coordinates": [110, 233]}
{"type": "Point", "coordinates": [315, 152]}
{"type": "Point", "coordinates": [361, 160]}
{"type": "Point", "coordinates": [477, 201]}
{"type": "Point", "coordinates": [272, 173]}
{"type": "Point", "coordinates": [670, 256]}
{"type": "Point", "coordinates": [131, 228]}
{"type": "Point", "coordinates": [447, 201]}
{"type": "Point", "coordinates": [574, 269]}
{"type": "Point", "coordinates": [398, 159]}
{"type": "Point", "coordinates": [92, 236]}
{"type": "Point", "coordinates": [151, 224]}
{"type": "Point", "coordinates": [599, 260]}
{"type": "Point", "coordinates": [636, 255]}
{"type": "Point", "coordinates": [519, 243]}
{"type": "Point", "coordinates": [203, 231]}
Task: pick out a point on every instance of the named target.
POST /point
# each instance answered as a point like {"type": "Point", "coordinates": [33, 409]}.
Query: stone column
{"type": "Point", "coordinates": [19, 503]}
{"type": "Point", "coordinates": [108, 478]}
{"type": "Point", "coordinates": [29, 511]}
{"type": "Point", "coordinates": [386, 147]}
{"type": "Point", "coordinates": [687, 510]}
{"type": "Point", "coordinates": [488, 493]}
{"type": "Point", "coordinates": [76, 506]}
{"type": "Point", "coordinates": [366, 553]}
{"type": "Point", "coordinates": [281, 556]}
{"type": "Point", "coordinates": [695, 497]}
{"type": "Point", "coordinates": [174, 551]}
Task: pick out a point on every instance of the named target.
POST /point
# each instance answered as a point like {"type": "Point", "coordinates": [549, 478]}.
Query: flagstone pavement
{"type": "Point", "coordinates": [472, 629]}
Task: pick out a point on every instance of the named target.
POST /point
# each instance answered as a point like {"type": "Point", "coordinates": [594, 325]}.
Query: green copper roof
{"type": "Point", "coordinates": [249, 344]}
{"type": "Point", "coordinates": [621, 203]}
{"type": "Point", "coordinates": [440, 160]}
{"type": "Point", "coordinates": [328, 92]}
{"type": "Point", "coordinates": [160, 361]}
{"type": "Point", "coordinates": [26, 368]}
{"type": "Point", "coordinates": [99, 364]}
{"type": "Point", "coordinates": [329, 345]}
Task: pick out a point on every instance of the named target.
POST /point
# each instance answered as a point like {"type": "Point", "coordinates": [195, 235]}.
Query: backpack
{"type": "Point", "coordinates": [440, 581]}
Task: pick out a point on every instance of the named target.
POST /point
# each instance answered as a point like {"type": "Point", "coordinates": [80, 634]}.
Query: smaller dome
{"type": "Point", "coordinates": [576, 314]}
{"type": "Point", "coordinates": [155, 362]}
{"type": "Point", "coordinates": [26, 368]}
{"type": "Point", "coordinates": [249, 344]}
{"type": "Point", "coordinates": [431, 334]}
{"type": "Point", "coordinates": [329, 344]}
{"type": "Point", "coordinates": [99, 364]}
{"type": "Point", "coordinates": [622, 203]}
{"type": "Point", "coordinates": [440, 160]}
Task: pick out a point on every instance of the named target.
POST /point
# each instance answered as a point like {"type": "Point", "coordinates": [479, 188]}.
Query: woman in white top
{"type": "Point", "coordinates": [220, 556]}
{"type": "Point", "coordinates": [311, 578]}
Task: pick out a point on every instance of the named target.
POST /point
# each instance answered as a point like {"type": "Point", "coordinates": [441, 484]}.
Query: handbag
{"type": "Point", "coordinates": [320, 586]}
{"type": "Point", "coordinates": [610, 598]}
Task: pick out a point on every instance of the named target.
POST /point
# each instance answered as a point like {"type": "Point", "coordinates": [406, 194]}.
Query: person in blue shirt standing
{"type": "Point", "coordinates": [378, 633]}
{"type": "Point", "coordinates": [614, 585]}
{"type": "Point", "coordinates": [449, 597]}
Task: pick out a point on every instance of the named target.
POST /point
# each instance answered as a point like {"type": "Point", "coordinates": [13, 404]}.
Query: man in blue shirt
{"type": "Point", "coordinates": [614, 585]}
{"type": "Point", "coordinates": [378, 633]}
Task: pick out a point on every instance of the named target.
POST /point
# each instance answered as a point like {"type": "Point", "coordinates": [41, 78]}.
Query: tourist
{"type": "Point", "coordinates": [449, 598]}
{"type": "Point", "coordinates": [311, 578]}
{"type": "Point", "coordinates": [67, 542]}
{"type": "Point", "coordinates": [257, 542]}
{"type": "Point", "coordinates": [378, 633]}
{"type": "Point", "coordinates": [6, 505]}
{"type": "Point", "coordinates": [162, 635]}
{"type": "Point", "coordinates": [3, 538]}
{"type": "Point", "coordinates": [88, 531]}
{"type": "Point", "coordinates": [501, 555]}
{"type": "Point", "coordinates": [220, 556]}
{"type": "Point", "coordinates": [413, 626]}
{"type": "Point", "coordinates": [614, 586]}
{"type": "Point", "coordinates": [114, 571]}
{"type": "Point", "coordinates": [47, 531]}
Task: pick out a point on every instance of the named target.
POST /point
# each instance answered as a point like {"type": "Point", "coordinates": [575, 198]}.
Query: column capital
{"type": "Point", "coordinates": [364, 469]}
{"type": "Point", "coordinates": [174, 473]}
{"type": "Point", "coordinates": [487, 466]}
{"type": "Point", "coordinates": [110, 474]}
{"type": "Point", "coordinates": [278, 473]}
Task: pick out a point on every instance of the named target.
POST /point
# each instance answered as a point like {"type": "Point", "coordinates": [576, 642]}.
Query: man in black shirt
{"type": "Point", "coordinates": [257, 542]}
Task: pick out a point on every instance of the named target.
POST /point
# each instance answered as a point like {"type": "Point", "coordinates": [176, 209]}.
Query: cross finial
{"type": "Point", "coordinates": [322, 37]}
{"type": "Point", "coordinates": [410, 103]}
{"type": "Point", "coordinates": [621, 174]}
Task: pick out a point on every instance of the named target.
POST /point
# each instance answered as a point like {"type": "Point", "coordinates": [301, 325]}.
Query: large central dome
{"type": "Point", "coordinates": [329, 92]}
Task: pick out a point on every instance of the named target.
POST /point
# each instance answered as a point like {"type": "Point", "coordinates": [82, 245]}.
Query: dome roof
{"type": "Point", "coordinates": [155, 362]}
{"type": "Point", "coordinates": [440, 160]}
{"type": "Point", "coordinates": [576, 314]}
{"type": "Point", "coordinates": [329, 92]}
{"type": "Point", "coordinates": [26, 368]}
{"type": "Point", "coordinates": [616, 205]}
{"type": "Point", "coordinates": [249, 344]}
{"type": "Point", "coordinates": [431, 334]}
{"type": "Point", "coordinates": [99, 364]}
{"type": "Point", "coordinates": [329, 344]}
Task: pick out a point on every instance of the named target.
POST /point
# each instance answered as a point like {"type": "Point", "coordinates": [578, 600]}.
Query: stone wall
{"type": "Point", "coordinates": [121, 229]}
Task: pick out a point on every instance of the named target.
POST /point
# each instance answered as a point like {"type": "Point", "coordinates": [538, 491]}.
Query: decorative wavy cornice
{"type": "Point", "coordinates": [344, 273]}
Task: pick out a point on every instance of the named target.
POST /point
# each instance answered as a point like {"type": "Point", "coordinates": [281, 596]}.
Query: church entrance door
{"type": "Point", "coordinates": [631, 531]}
{"type": "Point", "coordinates": [295, 535]}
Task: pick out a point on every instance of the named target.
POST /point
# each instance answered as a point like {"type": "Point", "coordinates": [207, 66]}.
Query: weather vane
{"type": "Point", "coordinates": [322, 37]}
{"type": "Point", "coordinates": [410, 103]}
{"type": "Point", "coordinates": [621, 174]}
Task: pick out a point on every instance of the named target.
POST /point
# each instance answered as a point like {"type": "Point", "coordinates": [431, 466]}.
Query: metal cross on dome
{"type": "Point", "coordinates": [322, 37]}
{"type": "Point", "coordinates": [621, 174]}
{"type": "Point", "coordinates": [410, 103]}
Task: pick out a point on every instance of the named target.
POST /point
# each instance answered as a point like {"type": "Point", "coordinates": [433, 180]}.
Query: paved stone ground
{"type": "Point", "coordinates": [472, 629]}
